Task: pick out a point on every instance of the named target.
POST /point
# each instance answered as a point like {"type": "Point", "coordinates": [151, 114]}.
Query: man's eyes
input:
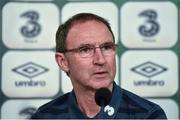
{"type": "Point", "coordinates": [85, 49]}
{"type": "Point", "coordinates": [106, 47]}
{"type": "Point", "coordinates": [89, 48]}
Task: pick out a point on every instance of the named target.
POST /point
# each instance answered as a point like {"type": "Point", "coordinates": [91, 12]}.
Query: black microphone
{"type": "Point", "coordinates": [103, 96]}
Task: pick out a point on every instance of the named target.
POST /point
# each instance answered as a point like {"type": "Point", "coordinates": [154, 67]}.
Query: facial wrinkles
{"type": "Point", "coordinates": [91, 32]}
{"type": "Point", "coordinates": [88, 33]}
{"type": "Point", "coordinates": [103, 66]}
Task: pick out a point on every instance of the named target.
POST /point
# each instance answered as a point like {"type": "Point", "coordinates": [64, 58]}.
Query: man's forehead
{"type": "Point", "coordinates": [88, 27]}
{"type": "Point", "coordinates": [87, 32]}
{"type": "Point", "coordinates": [82, 22]}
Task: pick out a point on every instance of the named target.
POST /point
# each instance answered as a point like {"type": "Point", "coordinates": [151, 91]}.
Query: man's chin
{"type": "Point", "coordinates": [99, 85]}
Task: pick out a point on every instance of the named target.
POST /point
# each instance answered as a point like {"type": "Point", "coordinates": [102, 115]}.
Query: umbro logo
{"type": "Point", "coordinates": [149, 69]}
{"type": "Point", "coordinates": [30, 70]}
{"type": "Point", "coordinates": [27, 112]}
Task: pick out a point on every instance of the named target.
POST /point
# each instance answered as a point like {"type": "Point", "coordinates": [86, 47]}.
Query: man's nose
{"type": "Point", "coordinates": [98, 57]}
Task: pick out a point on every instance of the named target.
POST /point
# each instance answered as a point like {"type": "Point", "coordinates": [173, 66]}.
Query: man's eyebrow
{"type": "Point", "coordinates": [88, 44]}
{"type": "Point", "coordinates": [107, 43]}
{"type": "Point", "coordinates": [84, 45]}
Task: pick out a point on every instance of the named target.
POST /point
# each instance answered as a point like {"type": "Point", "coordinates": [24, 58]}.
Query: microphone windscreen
{"type": "Point", "coordinates": [103, 96]}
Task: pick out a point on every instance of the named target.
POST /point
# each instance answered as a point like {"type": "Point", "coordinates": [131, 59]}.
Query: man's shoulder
{"type": "Point", "coordinates": [57, 106]}
{"type": "Point", "coordinates": [139, 106]}
{"type": "Point", "coordinates": [60, 101]}
{"type": "Point", "coordinates": [136, 100]}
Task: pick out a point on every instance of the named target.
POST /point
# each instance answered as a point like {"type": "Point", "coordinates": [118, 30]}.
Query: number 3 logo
{"type": "Point", "coordinates": [151, 26]}
{"type": "Point", "coordinates": [32, 27]}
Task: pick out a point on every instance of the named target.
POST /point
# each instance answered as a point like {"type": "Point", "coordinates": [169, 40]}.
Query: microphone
{"type": "Point", "coordinates": [103, 96]}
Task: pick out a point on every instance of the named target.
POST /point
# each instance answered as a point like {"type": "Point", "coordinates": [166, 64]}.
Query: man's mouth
{"type": "Point", "coordinates": [100, 73]}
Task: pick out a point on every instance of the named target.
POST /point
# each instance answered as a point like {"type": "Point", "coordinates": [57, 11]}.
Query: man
{"type": "Point", "coordinates": [85, 50]}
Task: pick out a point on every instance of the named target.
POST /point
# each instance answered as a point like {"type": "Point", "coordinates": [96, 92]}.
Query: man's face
{"type": "Point", "coordinates": [98, 70]}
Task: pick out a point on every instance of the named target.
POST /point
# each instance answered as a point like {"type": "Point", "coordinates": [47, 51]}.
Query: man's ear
{"type": "Point", "coordinates": [62, 61]}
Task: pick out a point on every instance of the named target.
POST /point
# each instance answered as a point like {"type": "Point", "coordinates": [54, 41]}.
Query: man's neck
{"type": "Point", "coordinates": [86, 102]}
